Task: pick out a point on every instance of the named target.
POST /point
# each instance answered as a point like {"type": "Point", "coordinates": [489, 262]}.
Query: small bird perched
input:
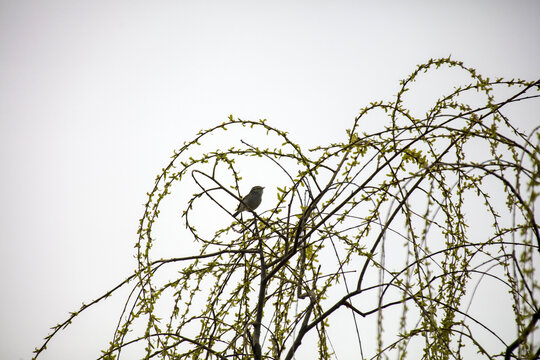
{"type": "Point", "coordinates": [251, 201]}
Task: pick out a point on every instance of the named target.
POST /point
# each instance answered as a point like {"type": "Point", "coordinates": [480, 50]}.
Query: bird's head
{"type": "Point", "coordinates": [257, 189]}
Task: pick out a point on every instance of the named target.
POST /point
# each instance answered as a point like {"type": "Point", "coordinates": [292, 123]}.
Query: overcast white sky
{"type": "Point", "coordinates": [95, 95]}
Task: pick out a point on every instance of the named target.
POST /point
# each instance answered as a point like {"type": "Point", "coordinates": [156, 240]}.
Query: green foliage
{"type": "Point", "coordinates": [416, 215]}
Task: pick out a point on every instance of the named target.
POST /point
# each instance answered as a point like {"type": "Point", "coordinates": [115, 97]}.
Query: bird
{"type": "Point", "coordinates": [251, 201]}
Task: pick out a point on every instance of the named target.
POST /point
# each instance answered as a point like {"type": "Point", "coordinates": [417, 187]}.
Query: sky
{"type": "Point", "coordinates": [96, 95]}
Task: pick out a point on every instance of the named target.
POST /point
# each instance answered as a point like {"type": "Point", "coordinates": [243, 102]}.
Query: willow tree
{"type": "Point", "coordinates": [387, 243]}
